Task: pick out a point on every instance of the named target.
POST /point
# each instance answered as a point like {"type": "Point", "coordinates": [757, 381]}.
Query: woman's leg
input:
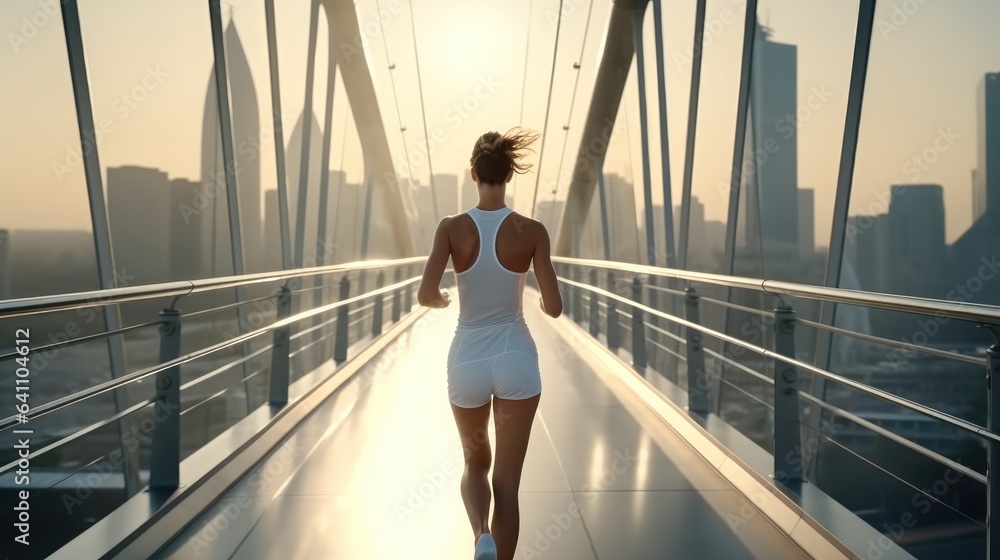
{"type": "Point", "coordinates": [476, 448]}
{"type": "Point", "coordinates": [513, 420]}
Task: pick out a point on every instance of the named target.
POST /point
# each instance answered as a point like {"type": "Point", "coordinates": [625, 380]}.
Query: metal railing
{"type": "Point", "coordinates": [165, 446]}
{"type": "Point", "coordinates": [786, 436]}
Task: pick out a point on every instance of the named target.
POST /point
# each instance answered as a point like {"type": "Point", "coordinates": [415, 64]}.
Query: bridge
{"type": "Point", "coordinates": [235, 366]}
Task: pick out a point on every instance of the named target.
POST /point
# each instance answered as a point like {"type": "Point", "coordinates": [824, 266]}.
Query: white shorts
{"type": "Point", "coordinates": [498, 360]}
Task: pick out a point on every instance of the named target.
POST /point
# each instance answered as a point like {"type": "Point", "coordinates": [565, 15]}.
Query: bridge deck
{"type": "Point", "coordinates": [374, 472]}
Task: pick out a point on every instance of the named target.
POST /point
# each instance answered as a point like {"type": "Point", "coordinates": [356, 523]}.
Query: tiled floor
{"type": "Point", "coordinates": [374, 474]}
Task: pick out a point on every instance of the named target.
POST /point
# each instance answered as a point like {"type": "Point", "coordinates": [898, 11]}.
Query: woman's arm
{"type": "Point", "coordinates": [545, 274]}
{"type": "Point", "coordinates": [429, 294]}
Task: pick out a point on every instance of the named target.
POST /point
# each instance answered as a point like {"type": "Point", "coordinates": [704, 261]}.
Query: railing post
{"type": "Point", "coordinates": [698, 385]}
{"type": "Point", "coordinates": [378, 307]}
{"type": "Point", "coordinates": [279, 353]}
{"type": "Point", "coordinates": [569, 294]}
{"type": "Point", "coordinates": [340, 339]}
{"type": "Point", "coordinates": [165, 461]}
{"type": "Point", "coordinates": [993, 453]}
{"type": "Point", "coordinates": [787, 439]}
{"type": "Point", "coordinates": [408, 296]}
{"type": "Point", "coordinates": [614, 334]}
{"type": "Point", "coordinates": [396, 302]}
{"type": "Point", "coordinates": [595, 307]}
{"type": "Point", "coordinates": [639, 359]}
{"type": "Point", "coordinates": [577, 297]}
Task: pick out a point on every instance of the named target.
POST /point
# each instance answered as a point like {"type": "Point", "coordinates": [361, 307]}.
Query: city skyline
{"type": "Point", "coordinates": [108, 84]}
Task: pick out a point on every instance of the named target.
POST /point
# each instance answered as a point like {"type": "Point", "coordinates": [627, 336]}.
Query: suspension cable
{"type": "Point", "coordinates": [399, 114]}
{"type": "Point", "coordinates": [423, 111]}
{"type": "Point", "coordinates": [524, 84]}
{"type": "Point", "coordinates": [572, 103]}
{"type": "Point", "coordinates": [548, 106]}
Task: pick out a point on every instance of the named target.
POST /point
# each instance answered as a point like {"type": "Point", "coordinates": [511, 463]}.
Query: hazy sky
{"type": "Point", "coordinates": [924, 70]}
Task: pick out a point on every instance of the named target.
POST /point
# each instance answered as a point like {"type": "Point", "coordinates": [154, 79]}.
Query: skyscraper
{"type": "Point", "coordinates": [272, 231]}
{"type": "Point", "coordinates": [246, 132]}
{"type": "Point", "coordinates": [774, 141]}
{"type": "Point", "coordinates": [470, 192]}
{"type": "Point", "coordinates": [917, 236]}
{"type": "Point", "coordinates": [986, 177]}
{"type": "Point", "coordinates": [138, 199]}
{"type": "Point", "coordinates": [446, 187]}
{"type": "Point", "coordinates": [293, 160]}
{"type": "Point", "coordinates": [807, 221]}
{"type": "Point", "coordinates": [188, 232]}
{"type": "Point", "coordinates": [4, 264]}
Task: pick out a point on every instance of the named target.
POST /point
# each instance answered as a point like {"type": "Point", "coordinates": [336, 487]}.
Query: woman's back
{"type": "Point", "coordinates": [491, 252]}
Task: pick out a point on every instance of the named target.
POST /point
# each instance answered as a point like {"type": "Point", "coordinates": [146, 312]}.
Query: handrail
{"type": "Point", "coordinates": [856, 385]}
{"type": "Point", "coordinates": [81, 300]}
{"type": "Point", "coordinates": [974, 312]}
{"type": "Point", "coordinates": [124, 380]}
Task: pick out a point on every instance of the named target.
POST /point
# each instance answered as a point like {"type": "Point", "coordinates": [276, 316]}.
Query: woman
{"type": "Point", "coordinates": [493, 357]}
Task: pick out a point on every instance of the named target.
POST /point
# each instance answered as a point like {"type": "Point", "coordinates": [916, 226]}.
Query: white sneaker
{"type": "Point", "coordinates": [486, 548]}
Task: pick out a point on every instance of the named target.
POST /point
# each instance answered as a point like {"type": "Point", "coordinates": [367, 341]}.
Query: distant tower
{"type": "Point", "coordinates": [986, 177]}
{"type": "Point", "coordinates": [917, 237]}
{"type": "Point", "coordinates": [246, 132]}
{"type": "Point", "coordinates": [774, 134]}
{"type": "Point", "coordinates": [187, 232]}
{"type": "Point", "coordinates": [470, 192]}
{"type": "Point", "coordinates": [446, 188]}
{"type": "Point", "coordinates": [4, 264]}
{"type": "Point", "coordinates": [807, 221]}
{"type": "Point", "coordinates": [293, 160]}
{"type": "Point", "coordinates": [139, 220]}
{"type": "Point", "coordinates": [272, 231]}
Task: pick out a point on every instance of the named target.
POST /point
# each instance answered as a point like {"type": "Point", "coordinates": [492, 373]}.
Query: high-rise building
{"type": "Point", "coordinates": [917, 237]}
{"type": "Point", "coordinates": [986, 182]}
{"type": "Point", "coordinates": [246, 132]}
{"type": "Point", "coordinates": [446, 189]}
{"type": "Point", "coordinates": [470, 192]}
{"type": "Point", "coordinates": [773, 140]}
{"type": "Point", "coordinates": [807, 221]}
{"type": "Point", "coordinates": [4, 264]}
{"type": "Point", "coordinates": [272, 231]}
{"type": "Point", "coordinates": [139, 219]}
{"type": "Point", "coordinates": [293, 160]}
{"type": "Point", "coordinates": [623, 228]}
{"type": "Point", "coordinates": [188, 231]}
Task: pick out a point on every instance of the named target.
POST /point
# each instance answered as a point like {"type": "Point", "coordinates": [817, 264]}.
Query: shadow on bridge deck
{"type": "Point", "coordinates": [374, 472]}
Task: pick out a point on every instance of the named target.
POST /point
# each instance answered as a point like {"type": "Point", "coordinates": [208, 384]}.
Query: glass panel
{"type": "Point", "coordinates": [798, 96]}
{"type": "Point", "coordinates": [253, 133]}
{"type": "Point", "coordinates": [922, 222]}
{"type": "Point", "coordinates": [713, 154]}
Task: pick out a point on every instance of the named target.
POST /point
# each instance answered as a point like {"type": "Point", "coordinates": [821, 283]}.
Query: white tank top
{"type": "Point", "coordinates": [488, 293]}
